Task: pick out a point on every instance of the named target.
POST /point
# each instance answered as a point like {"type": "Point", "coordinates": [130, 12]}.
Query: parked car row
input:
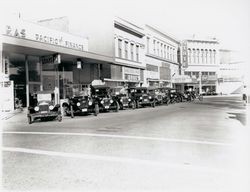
{"type": "Point", "coordinates": [103, 99]}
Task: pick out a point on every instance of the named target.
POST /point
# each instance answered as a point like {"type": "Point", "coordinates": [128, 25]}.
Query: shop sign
{"type": "Point", "coordinates": [183, 79]}
{"type": "Point", "coordinates": [51, 59]}
{"type": "Point", "coordinates": [31, 31]}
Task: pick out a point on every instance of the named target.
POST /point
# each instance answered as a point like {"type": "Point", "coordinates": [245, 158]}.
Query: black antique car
{"type": "Point", "coordinates": [166, 91]}
{"type": "Point", "coordinates": [141, 96]}
{"type": "Point", "coordinates": [43, 107]}
{"type": "Point", "coordinates": [81, 105]}
{"type": "Point", "coordinates": [121, 95]}
{"type": "Point", "coordinates": [157, 95]}
{"type": "Point", "coordinates": [102, 95]}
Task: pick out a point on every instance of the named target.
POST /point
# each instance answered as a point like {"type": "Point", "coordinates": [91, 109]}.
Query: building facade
{"type": "Point", "coordinates": [201, 63]}
{"type": "Point", "coordinates": [230, 77]}
{"type": "Point", "coordinates": [160, 58]}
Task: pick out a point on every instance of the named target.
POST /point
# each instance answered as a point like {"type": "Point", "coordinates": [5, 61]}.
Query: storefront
{"type": "Point", "coordinates": [37, 58]}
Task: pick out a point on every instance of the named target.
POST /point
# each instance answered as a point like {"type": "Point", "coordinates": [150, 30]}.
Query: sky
{"type": "Point", "coordinates": [227, 20]}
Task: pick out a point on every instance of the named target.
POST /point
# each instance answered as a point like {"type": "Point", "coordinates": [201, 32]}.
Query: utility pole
{"type": "Point", "coordinates": [200, 86]}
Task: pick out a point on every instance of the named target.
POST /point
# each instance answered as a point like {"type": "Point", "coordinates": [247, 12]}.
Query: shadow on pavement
{"type": "Point", "coordinates": [241, 117]}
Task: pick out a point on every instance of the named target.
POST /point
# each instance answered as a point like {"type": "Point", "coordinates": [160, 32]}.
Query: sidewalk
{"type": "Point", "coordinates": [7, 115]}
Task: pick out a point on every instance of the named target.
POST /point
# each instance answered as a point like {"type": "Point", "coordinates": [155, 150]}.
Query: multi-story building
{"type": "Point", "coordinates": [230, 77]}
{"type": "Point", "coordinates": [201, 63]}
{"type": "Point", "coordinates": [161, 57]}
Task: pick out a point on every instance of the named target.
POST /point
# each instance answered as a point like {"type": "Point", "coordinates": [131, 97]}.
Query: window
{"type": "Point", "coordinates": [164, 52]}
{"type": "Point", "coordinates": [189, 55]}
{"type": "Point", "coordinates": [119, 48]}
{"type": "Point", "coordinates": [137, 53]}
{"type": "Point", "coordinates": [202, 56]}
{"type": "Point", "coordinates": [210, 56]}
{"type": "Point", "coordinates": [154, 47]}
{"type": "Point", "coordinates": [158, 48]}
{"type": "Point", "coordinates": [214, 56]}
{"type": "Point", "coordinates": [126, 50]}
{"type": "Point", "coordinates": [161, 50]}
{"type": "Point", "coordinates": [168, 52]}
{"type": "Point", "coordinates": [204, 73]}
{"type": "Point", "coordinates": [194, 56]}
{"type": "Point", "coordinates": [187, 73]}
{"type": "Point", "coordinates": [132, 51]}
{"type": "Point", "coordinates": [170, 55]}
{"type": "Point", "coordinates": [198, 55]}
{"type": "Point", "coordinates": [211, 73]}
{"type": "Point", "coordinates": [147, 44]}
{"type": "Point", "coordinates": [205, 55]}
{"type": "Point", "coordinates": [151, 68]}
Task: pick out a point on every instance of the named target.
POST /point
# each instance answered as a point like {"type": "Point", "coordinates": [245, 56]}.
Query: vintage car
{"type": "Point", "coordinates": [44, 107]}
{"type": "Point", "coordinates": [121, 95]}
{"type": "Point", "coordinates": [166, 91]}
{"type": "Point", "coordinates": [176, 96]}
{"type": "Point", "coordinates": [81, 105]}
{"type": "Point", "coordinates": [157, 94]}
{"type": "Point", "coordinates": [141, 96]}
{"type": "Point", "coordinates": [102, 95]}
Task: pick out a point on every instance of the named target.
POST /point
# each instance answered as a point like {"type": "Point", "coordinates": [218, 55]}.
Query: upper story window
{"type": "Point", "coordinates": [202, 56]}
{"type": "Point", "coordinates": [194, 56]}
{"type": "Point", "coordinates": [132, 51]}
{"type": "Point", "coordinates": [168, 54]}
{"type": "Point", "coordinates": [214, 56]}
{"type": "Point", "coordinates": [164, 52]}
{"type": "Point", "coordinates": [137, 53]}
{"type": "Point", "coordinates": [211, 73]}
{"type": "Point", "coordinates": [198, 55]}
{"type": "Point", "coordinates": [154, 46]}
{"type": "Point", "coordinates": [119, 48]}
{"type": "Point", "coordinates": [205, 56]}
{"type": "Point", "coordinates": [189, 55]}
{"type": "Point", "coordinates": [161, 50]}
{"type": "Point", "coordinates": [126, 50]}
{"type": "Point", "coordinates": [148, 44]}
{"type": "Point", "coordinates": [210, 56]}
{"type": "Point", "coordinates": [158, 48]}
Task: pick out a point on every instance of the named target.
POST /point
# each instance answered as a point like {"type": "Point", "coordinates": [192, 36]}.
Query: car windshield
{"type": "Point", "coordinates": [101, 92]}
{"type": "Point", "coordinates": [140, 91]}
{"type": "Point", "coordinates": [44, 97]}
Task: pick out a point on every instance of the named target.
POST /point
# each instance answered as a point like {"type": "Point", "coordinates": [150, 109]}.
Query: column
{"type": "Point", "coordinates": [27, 81]}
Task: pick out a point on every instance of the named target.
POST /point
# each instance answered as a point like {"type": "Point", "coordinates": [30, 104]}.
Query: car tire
{"type": "Point", "coordinates": [59, 118]}
{"type": "Point", "coordinates": [96, 109]}
{"type": "Point", "coordinates": [71, 112]}
{"type": "Point", "coordinates": [30, 120]}
{"type": "Point", "coordinates": [117, 106]}
{"type": "Point", "coordinates": [133, 105]}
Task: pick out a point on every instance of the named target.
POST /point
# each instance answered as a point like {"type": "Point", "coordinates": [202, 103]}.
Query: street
{"type": "Point", "coordinates": [190, 146]}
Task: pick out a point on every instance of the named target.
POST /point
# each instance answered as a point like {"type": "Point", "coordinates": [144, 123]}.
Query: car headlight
{"type": "Point", "coordinates": [150, 97]}
{"type": "Point", "coordinates": [90, 103]}
{"type": "Point", "coordinates": [102, 102]}
{"type": "Point", "coordinates": [111, 101]}
{"type": "Point", "coordinates": [51, 107]}
{"type": "Point", "coordinates": [121, 100]}
{"type": "Point", "coordinates": [140, 97]}
{"type": "Point", "coordinates": [78, 104]}
{"type": "Point", "coordinates": [129, 99]}
{"type": "Point", "coordinates": [36, 108]}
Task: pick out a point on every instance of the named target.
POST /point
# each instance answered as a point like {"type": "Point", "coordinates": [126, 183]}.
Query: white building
{"type": "Point", "coordinates": [161, 57]}
{"type": "Point", "coordinates": [201, 59]}
{"type": "Point", "coordinates": [230, 72]}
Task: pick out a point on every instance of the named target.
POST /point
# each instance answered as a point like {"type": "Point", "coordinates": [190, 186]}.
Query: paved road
{"type": "Point", "coordinates": [199, 146]}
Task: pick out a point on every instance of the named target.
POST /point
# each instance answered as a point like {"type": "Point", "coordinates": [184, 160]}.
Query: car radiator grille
{"type": "Point", "coordinates": [44, 108]}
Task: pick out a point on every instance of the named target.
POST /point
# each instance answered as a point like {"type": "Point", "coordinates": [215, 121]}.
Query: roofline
{"type": "Point", "coordinates": [163, 33]}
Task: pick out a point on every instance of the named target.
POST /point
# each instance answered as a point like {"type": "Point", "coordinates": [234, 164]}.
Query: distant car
{"type": "Point", "coordinates": [102, 95]}
{"type": "Point", "coordinates": [44, 107]}
{"type": "Point", "coordinates": [81, 105]}
{"type": "Point", "coordinates": [121, 95]}
{"type": "Point", "coordinates": [141, 96]}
